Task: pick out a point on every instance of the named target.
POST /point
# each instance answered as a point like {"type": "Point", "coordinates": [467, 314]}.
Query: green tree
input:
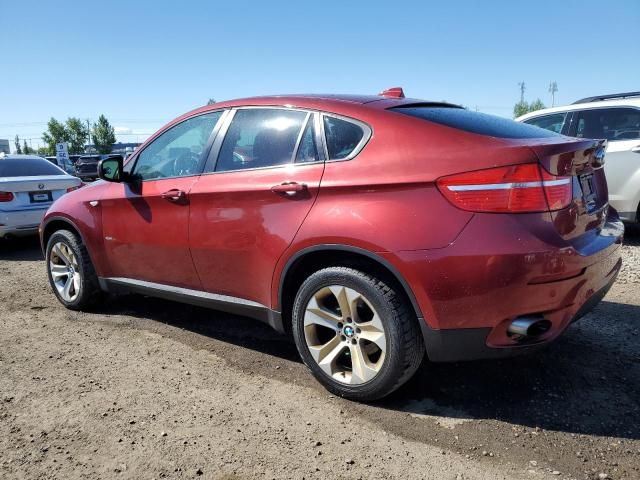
{"type": "Point", "coordinates": [77, 133]}
{"type": "Point", "coordinates": [17, 144]}
{"type": "Point", "coordinates": [43, 151]}
{"type": "Point", "coordinates": [520, 108]}
{"type": "Point", "coordinates": [536, 105]}
{"type": "Point", "coordinates": [103, 135]}
{"type": "Point", "coordinates": [523, 107]}
{"type": "Point", "coordinates": [56, 133]}
{"type": "Point", "coordinates": [26, 149]}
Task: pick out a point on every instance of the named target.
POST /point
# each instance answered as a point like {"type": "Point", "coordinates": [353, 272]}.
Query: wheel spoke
{"type": "Point", "coordinates": [375, 334]}
{"type": "Point", "coordinates": [326, 355]}
{"type": "Point", "coordinates": [66, 291]}
{"type": "Point", "coordinates": [57, 250]}
{"type": "Point", "coordinates": [340, 293]}
{"type": "Point", "coordinates": [76, 283]}
{"type": "Point", "coordinates": [58, 271]}
{"type": "Point", "coordinates": [361, 371]}
{"type": "Point", "coordinates": [317, 315]}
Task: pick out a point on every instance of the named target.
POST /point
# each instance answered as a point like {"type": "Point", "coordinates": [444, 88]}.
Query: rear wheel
{"type": "Point", "coordinates": [71, 273]}
{"type": "Point", "coordinates": [356, 333]}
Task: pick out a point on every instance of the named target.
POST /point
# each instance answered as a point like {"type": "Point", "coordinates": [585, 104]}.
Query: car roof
{"type": "Point", "coordinates": [17, 156]}
{"type": "Point", "coordinates": [620, 102]}
{"type": "Point", "coordinates": [337, 103]}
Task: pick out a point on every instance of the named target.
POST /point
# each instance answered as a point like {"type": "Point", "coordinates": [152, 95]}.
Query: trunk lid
{"type": "Point", "coordinates": [35, 192]}
{"type": "Point", "coordinates": [583, 161]}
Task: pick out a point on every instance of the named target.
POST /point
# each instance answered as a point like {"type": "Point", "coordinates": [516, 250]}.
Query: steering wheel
{"type": "Point", "coordinates": [186, 164]}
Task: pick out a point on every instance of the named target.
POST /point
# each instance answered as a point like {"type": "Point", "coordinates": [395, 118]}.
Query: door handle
{"type": "Point", "coordinates": [636, 149]}
{"type": "Point", "coordinates": [174, 195]}
{"type": "Point", "coordinates": [289, 188]}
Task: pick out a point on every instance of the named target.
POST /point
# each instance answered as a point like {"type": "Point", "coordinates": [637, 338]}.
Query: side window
{"type": "Point", "coordinates": [342, 137]}
{"type": "Point", "coordinates": [307, 149]}
{"type": "Point", "coordinates": [178, 151]}
{"type": "Point", "coordinates": [609, 123]}
{"type": "Point", "coordinates": [553, 122]}
{"type": "Point", "coordinates": [260, 137]}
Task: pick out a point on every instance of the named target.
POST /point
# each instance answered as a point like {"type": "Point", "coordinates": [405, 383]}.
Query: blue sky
{"type": "Point", "coordinates": [143, 63]}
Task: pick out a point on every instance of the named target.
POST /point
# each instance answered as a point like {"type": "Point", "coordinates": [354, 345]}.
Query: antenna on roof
{"type": "Point", "coordinates": [393, 92]}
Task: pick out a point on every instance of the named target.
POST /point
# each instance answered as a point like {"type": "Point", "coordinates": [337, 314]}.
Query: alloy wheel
{"type": "Point", "coordinates": [345, 335]}
{"type": "Point", "coordinates": [65, 272]}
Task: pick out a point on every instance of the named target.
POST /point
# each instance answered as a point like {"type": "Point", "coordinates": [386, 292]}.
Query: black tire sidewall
{"type": "Point", "coordinates": [393, 364]}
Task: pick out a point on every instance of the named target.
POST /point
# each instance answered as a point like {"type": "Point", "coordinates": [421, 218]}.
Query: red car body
{"type": "Point", "coordinates": [468, 274]}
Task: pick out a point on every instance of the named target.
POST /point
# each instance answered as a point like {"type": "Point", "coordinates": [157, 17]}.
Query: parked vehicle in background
{"type": "Point", "coordinates": [67, 168]}
{"type": "Point", "coordinates": [28, 186]}
{"type": "Point", "coordinates": [86, 167]}
{"type": "Point", "coordinates": [371, 228]}
{"type": "Point", "coordinates": [615, 118]}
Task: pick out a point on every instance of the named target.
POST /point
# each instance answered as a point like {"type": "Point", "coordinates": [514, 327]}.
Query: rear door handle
{"type": "Point", "coordinates": [174, 195]}
{"type": "Point", "coordinates": [289, 188]}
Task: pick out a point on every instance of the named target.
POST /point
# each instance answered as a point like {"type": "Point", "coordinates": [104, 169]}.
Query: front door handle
{"type": "Point", "coordinates": [289, 188]}
{"type": "Point", "coordinates": [174, 195]}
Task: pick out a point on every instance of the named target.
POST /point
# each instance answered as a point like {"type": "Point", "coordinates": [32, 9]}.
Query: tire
{"type": "Point", "coordinates": [379, 353]}
{"type": "Point", "coordinates": [65, 250]}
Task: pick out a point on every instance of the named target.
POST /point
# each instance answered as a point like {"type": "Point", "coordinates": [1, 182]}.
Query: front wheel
{"type": "Point", "coordinates": [356, 334]}
{"type": "Point", "coordinates": [71, 273]}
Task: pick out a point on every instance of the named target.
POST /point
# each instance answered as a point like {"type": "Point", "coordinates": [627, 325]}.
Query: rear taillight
{"type": "Point", "coordinates": [71, 189]}
{"type": "Point", "coordinates": [6, 196]}
{"type": "Point", "coordinates": [516, 188]}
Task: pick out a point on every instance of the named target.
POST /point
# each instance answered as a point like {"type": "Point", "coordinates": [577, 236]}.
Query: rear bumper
{"type": "Point", "coordinates": [502, 268]}
{"type": "Point", "coordinates": [21, 222]}
{"type": "Point", "coordinates": [463, 344]}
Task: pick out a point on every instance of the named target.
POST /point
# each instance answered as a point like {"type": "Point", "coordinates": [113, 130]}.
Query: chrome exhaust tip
{"type": "Point", "coordinates": [529, 327]}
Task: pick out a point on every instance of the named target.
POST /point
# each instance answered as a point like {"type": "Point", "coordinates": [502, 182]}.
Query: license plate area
{"type": "Point", "coordinates": [40, 197]}
{"type": "Point", "coordinates": [589, 193]}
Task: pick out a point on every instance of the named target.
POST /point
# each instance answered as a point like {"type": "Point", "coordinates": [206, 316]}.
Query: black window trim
{"type": "Point", "coordinates": [203, 156]}
{"type": "Point", "coordinates": [212, 159]}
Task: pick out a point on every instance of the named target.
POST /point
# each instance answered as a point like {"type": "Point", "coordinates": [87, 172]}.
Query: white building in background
{"type": "Point", "coordinates": [4, 146]}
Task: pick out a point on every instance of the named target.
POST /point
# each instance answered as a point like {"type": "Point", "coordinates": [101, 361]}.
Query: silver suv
{"type": "Point", "coordinates": [615, 118]}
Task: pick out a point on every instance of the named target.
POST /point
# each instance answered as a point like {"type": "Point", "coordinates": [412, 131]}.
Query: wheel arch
{"type": "Point", "coordinates": [53, 224]}
{"type": "Point", "coordinates": [311, 259]}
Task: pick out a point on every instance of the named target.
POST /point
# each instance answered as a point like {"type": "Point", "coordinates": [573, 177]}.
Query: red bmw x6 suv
{"type": "Point", "coordinates": [373, 229]}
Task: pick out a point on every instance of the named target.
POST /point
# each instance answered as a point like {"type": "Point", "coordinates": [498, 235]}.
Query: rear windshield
{"type": "Point", "coordinates": [476, 122]}
{"type": "Point", "coordinates": [27, 167]}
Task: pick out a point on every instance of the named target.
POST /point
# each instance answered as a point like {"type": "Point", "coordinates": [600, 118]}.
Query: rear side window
{"type": "Point", "coordinates": [27, 167]}
{"type": "Point", "coordinates": [261, 137]}
{"type": "Point", "coordinates": [308, 150]}
{"type": "Point", "coordinates": [609, 123]}
{"type": "Point", "coordinates": [475, 122]}
{"type": "Point", "coordinates": [343, 137]}
{"type": "Point", "coordinates": [553, 122]}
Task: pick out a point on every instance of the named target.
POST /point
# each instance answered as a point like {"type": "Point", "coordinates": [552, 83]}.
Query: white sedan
{"type": "Point", "coordinates": [28, 187]}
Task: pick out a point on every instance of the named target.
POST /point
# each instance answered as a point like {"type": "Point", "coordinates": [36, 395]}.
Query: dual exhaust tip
{"type": "Point", "coordinates": [528, 328]}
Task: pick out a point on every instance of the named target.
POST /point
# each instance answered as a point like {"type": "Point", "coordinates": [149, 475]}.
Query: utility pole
{"type": "Point", "coordinates": [553, 88]}
{"type": "Point", "coordinates": [522, 89]}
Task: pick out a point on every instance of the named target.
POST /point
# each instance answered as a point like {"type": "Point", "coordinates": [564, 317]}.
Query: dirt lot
{"type": "Point", "coordinates": [151, 389]}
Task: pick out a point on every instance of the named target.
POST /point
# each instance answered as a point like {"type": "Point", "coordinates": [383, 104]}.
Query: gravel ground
{"type": "Point", "coordinates": [146, 388]}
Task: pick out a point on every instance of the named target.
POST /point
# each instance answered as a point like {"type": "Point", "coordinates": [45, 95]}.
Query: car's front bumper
{"type": "Point", "coordinates": [20, 222]}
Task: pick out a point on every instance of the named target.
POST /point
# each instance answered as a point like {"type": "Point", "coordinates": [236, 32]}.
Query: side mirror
{"type": "Point", "coordinates": [110, 169]}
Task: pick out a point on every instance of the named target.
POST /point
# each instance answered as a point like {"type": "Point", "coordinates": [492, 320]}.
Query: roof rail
{"type": "Point", "coordinates": [611, 96]}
